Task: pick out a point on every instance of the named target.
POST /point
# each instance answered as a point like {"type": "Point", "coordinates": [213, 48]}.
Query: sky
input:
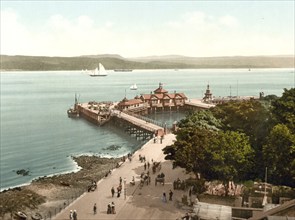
{"type": "Point", "coordinates": [137, 28]}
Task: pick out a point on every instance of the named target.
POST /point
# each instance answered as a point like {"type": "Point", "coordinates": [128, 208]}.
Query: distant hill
{"type": "Point", "coordinates": [113, 61]}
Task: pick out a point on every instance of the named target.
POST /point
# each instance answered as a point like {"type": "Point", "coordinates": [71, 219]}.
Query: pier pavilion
{"type": "Point", "coordinates": [159, 100]}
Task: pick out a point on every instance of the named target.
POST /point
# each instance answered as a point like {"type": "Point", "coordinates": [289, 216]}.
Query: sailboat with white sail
{"type": "Point", "coordinates": [99, 71]}
{"type": "Point", "coordinates": [133, 87]}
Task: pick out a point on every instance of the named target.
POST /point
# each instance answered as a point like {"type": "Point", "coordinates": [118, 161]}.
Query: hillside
{"type": "Point", "coordinates": [110, 61]}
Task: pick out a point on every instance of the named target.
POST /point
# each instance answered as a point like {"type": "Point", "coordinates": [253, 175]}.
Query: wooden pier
{"type": "Point", "coordinates": [140, 123]}
{"type": "Point", "coordinates": [100, 113]}
{"type": "Point", "coordinates": [134, 124]}
{"type": "Point", "coordinates": [136, 127]}
{"type": "Point", "coordinates": [128, 113]}
{"type": "Point", "coordinates": [95, 112]}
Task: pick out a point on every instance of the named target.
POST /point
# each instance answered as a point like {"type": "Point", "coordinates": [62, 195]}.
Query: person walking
{"type": "Point", "coordinates": [75, 215]}
{"type": "Point", "coordinates": [170, 195]}
{"type": "Point", "coordinates": [164, 197]}
{"type": "Point", "coordinates": [113, 191]}
{"type": "Point", "coordinates": [109, 209]}
{"type": "Point", "coordinates": [113, 208]}
{"type": "Point", "coordinates": [71, 215]}
{"type": "Point", "coordinates": [94, 209]}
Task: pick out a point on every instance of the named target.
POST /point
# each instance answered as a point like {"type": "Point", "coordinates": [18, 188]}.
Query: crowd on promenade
{"type": "Point", "coordinates": [132, 179]}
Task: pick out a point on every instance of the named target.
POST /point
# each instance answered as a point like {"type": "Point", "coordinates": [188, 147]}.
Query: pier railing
{"type": "Point", "coordinates": [145, 119]}
{"type": "Point", "coordinates": [139, 122]}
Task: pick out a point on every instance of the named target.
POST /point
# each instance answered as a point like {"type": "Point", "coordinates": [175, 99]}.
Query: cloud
{"type": "Point", "coordinates": [85, 22]}
{"type": "Point", "coordinates": [191, 34]}
{"type": "Point", "coordinates": [228, 21]}
{"type": "Point", "coordinates": [14, 36]}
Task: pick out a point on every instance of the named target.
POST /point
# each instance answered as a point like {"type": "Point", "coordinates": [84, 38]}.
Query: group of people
{"type": "Point", "coordinates": [111, 208]}
{"type": "Point", "coordinates": [155, 137]}
{"type": "Point", "coordinates": [164, 198]}
{"type": "Point", "coordinates": [141, 158]}
{"type": "Point", "coordinates": [119, 188]}
{"type": "Point", "coordinates": [145, 178]}
{"type": "Point", "coordinates": [146, 165]}
{"type": "Point", "coordinates": [178, 184]}
{"type": "Point", "coordinates": [73, 215]}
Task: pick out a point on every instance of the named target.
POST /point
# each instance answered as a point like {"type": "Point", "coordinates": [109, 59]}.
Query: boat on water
{"type": "Point", "coordinates": [73, 112]}
{"type": "Point", "coordinates": [100, 71]}
{"type": "Point", "coordinates": [123, 70]}
{"type": "Point", "coordinates": [133, 87]}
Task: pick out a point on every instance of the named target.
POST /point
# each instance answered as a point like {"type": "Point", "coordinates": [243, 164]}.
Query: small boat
{"type": "Point", "coordinates": [21, 215]}
{"type": "Point", "coordinates": [133, 87]}
{"type": "Point", "coordinates": [99, 71]}
{"type": "Point", "coordinates": [123, 70]}
{"type": "Point", "coordinates": [73, 112]}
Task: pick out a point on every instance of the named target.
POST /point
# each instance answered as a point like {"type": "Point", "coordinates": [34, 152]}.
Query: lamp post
{"type": "Point", "coordinates": [264, 202]}
{"type": "Point", "coordinates": [125, 189]}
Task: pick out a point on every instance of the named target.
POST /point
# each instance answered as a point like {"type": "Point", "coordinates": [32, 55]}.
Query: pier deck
{"type": "Point", "coordinates": [197, 103]}
{"type": "Point", "coordinates": [100, 113]}
{"type": "Point", "coordinates": [137, 122]}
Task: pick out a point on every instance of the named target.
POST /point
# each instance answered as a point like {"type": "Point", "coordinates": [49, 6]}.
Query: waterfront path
{"type": "Point", "coordinates": [140, 202]}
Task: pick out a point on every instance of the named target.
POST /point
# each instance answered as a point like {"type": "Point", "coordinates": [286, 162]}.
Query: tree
{"type": "Point", "coordinates": [194, 135]}
{"type": "Point", "coordinates": [189, 151]}
{"type": "Point", "coordinates": [249, 117]}
{"type": "Point", "coordinates": [284, 108]}
{"type": "Point", "coordinates": [231, 157]}
{"type": "Point", "coordinates": [279, 155]}
{"type": "Point", "coordinates": [203, 119]}
{"type": "Point", "coordinates": [212, 154]}
{"type": "Point", "coordinates": [252, 118]}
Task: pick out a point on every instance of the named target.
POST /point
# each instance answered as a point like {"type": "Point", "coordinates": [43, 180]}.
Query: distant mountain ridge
{"type": "Point", "coordinates": [114, 61]}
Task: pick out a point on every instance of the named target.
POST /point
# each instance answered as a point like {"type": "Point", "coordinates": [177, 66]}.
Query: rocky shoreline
{"type": "Point", "coordinates": [48, 195]}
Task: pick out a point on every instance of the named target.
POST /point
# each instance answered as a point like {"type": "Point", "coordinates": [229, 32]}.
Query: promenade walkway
{"type": "Point", "coordinates": [140, 202]}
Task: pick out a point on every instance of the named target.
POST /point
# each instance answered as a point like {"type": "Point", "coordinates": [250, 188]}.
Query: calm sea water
{"type": "Point", "coordinates": [37, 135]}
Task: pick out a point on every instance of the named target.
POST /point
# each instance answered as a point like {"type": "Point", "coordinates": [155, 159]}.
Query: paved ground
{"type": "Point", "coordinates": [140, 202]}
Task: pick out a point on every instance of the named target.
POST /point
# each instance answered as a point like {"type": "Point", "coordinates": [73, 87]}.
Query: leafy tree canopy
{"type": "Point", "coordinates": [279, 155]}
{"type": "Point", "coordinates": [231, 156]}
{"type": "Point", "coordinates": [249, 117]}
{"type": "Point", "coordinates": [220, 143]}
{"type": "Point", "coordinates": [284, 108]}
{"type": "Point", "coordinates": [213, 154]}
{"type": "Point", "coordinates": [203, 119]}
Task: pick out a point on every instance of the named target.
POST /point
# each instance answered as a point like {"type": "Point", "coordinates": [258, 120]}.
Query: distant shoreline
{"type": "Point", "coordinates": [43, 63]}
{"type": "Point", "coordinates": [134, 70]}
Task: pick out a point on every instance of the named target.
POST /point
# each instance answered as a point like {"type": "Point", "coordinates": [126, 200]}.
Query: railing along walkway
{"type": "Point", "coordinates": [136, 121]}
{"type": "Point", "coordinates": [160, 124]}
